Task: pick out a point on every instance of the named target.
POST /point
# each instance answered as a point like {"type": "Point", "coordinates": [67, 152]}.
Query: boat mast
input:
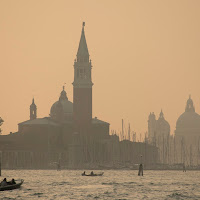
{"type": "Point", "coordinates": [174, 150]}
{"type": "Point", "coordinates": [190, 155]}
{"type": "Point", "coordinates": [0, 161]}
{"type": "Point", "coordinates": [129, 132]}
{"type": "Point", "coordinates": [122, 129]}
{"type": "Point", "coordinates": [163, 149]}
{"type": "Point", "coordinates": [198, 154]}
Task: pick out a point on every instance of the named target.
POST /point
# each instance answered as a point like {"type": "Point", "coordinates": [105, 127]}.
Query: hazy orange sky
{"type": "Point", "coordinates": [145, 55]}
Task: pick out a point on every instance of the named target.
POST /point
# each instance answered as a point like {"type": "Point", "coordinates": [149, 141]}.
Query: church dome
{"type": "Point", "coordinates": [189, 121]}
{"type": "Point", "coordinates": [63, 108]}
{"type": "Point", "coordinates": [163, 126]}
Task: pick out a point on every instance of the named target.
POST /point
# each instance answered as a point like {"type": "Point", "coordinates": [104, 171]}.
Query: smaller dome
{"type": "Point", "coordinates": [162, 125]}
{"type": "Point", "coordinates": [62, 109]}
{"type": "Point", "coordinates": [67, 106]}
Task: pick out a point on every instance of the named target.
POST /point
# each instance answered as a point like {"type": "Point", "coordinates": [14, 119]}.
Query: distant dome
{"type": "Point", "coordinates": [62, 109]}
{"type": "Point", "coordinates": [189, 122]}
{"type": "Point", "coordinates": [163, 126]}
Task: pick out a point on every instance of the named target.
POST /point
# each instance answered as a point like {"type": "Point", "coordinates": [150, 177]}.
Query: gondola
{"type": "Point", "coordinates": [100, 174]}
{"type": "Point", "coordinates": [12, 187]}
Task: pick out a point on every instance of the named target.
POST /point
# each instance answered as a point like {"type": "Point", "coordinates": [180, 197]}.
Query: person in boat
{"type": "Point", "coordinates": [4, 182]}
{"type": "Point", "coordinates": [92, 173]}
{"type": "Point", "coordinates": [83, 173]}
{"type": "Point", "coordinates": [13, 181]}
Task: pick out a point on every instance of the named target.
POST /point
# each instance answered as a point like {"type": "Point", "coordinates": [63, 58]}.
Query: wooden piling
{"type": "Point", "coordinates": [140, 172]}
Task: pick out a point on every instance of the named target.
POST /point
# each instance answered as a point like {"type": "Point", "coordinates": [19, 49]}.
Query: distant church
{"type": "Point", "coordinates": [68, 119]}
{"type": "Point", "coordinates": [158, 129]}
{"type": "Point", "coordinates": [159, 135]}
{"type": "Point", "coordinates": [187, 136]}
{"type": "Point", "coordinates": [184, 146]}
{"type": "Point", "coordinates": [188, 124]}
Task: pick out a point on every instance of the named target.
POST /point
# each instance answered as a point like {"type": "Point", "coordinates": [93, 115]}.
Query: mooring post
{"type": "Point", "coordinates": [140, 172]}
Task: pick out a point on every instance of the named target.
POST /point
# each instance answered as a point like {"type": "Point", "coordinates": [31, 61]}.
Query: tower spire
{"type": "Point", "coordinates": [161, 114]}
{"type": "Point", "coordinates": [82, 88]}
{"type": "Point", "coordinates": [33, 110]}
{"type": "Point", "coordinates": [83, 49]}
{"type": "Point", "coordinates": [190, 106]}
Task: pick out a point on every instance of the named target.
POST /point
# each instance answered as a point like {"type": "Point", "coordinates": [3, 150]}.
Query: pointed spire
{"type": "Point", "coordinates": [33, 103]}
{"type": "Point", "coordinates": [83, 49]}
{"type": "Point", "coordinates": [190, 106]}
{"type": "Point", "coordinates": [33, 110]}
{"type": "Point", "coordinates": [161, 114]}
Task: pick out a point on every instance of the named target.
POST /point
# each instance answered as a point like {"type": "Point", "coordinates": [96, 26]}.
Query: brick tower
{"type": "Point", "coordinates": [82, 88]}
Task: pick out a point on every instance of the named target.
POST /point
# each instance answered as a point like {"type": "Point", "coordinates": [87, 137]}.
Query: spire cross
{"type": "Point", "coordinates": [64, 86]}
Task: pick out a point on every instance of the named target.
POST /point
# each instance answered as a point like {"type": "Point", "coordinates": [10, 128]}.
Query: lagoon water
{"type": "Point", "coordinates": [115, 184]}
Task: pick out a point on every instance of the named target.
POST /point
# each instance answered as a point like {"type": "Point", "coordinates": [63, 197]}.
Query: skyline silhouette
{"type": "Point", "coordinates": [145, 58]}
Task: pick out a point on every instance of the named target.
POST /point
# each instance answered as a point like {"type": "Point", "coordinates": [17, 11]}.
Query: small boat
{"type": "Point", "coordinates": [100, 174]}
{"type": "Point", "coordinates": [11, 187]}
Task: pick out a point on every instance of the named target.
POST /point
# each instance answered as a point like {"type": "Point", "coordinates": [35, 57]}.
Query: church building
{"type": "Point", "coordinates": [159, 135]}
{"type": "Point", "coordinates": [67, 119]}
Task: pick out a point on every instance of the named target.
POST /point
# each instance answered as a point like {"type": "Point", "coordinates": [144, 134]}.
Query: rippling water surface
{"type": "Point", "coordinates": [115, 184]}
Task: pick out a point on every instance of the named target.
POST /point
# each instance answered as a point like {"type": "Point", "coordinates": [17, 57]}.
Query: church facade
{"type": "Point", "coordinates": [159, 135]}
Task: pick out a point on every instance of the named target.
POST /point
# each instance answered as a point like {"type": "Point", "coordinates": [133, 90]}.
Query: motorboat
{"type": "Point", "coordinates": [12, 187]}
{"type": "Point", "coordinates": [100, 174]}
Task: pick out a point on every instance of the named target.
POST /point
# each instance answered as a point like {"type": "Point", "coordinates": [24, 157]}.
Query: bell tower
{"type": "Point", "coordinates": [33, 110]}
{"type": "Point", "coordinates": [82, 88]}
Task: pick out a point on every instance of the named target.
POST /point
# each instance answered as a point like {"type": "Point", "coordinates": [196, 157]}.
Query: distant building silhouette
{"type": "Point", "coordinates": [82, 87]}
{"type": "Point", "coordinates": [187, 135]}
{"type": "Point", "coordinates": [159, 135]}
{"type": "Point", "coordinates": [70, 134]}
{"type": "Point", "coordinates": [188, 124]}
{"type": "Point", "coordinates": [33, 110]}
{"type": "Point", "coordinates": [158, 129]}
{"type": "Point", "coordinates": [70, 120]}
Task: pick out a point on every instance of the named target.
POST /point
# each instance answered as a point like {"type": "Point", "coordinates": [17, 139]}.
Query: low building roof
{"type": "Point", "coordinates": [98, 121]}
{"type": "Point", "coordinates": [39, 121]}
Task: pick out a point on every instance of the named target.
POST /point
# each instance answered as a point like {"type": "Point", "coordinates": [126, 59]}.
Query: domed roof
{"type": "Point", "coordinates": [162, 123]}
{"type": "Point", "coordinates": [189, 121]}
{"type": "Point", "coordinates": [62, 105]}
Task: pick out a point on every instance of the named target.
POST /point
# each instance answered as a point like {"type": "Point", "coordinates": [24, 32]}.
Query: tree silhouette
{"type": "Point", "coordinates": [1, 122]}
